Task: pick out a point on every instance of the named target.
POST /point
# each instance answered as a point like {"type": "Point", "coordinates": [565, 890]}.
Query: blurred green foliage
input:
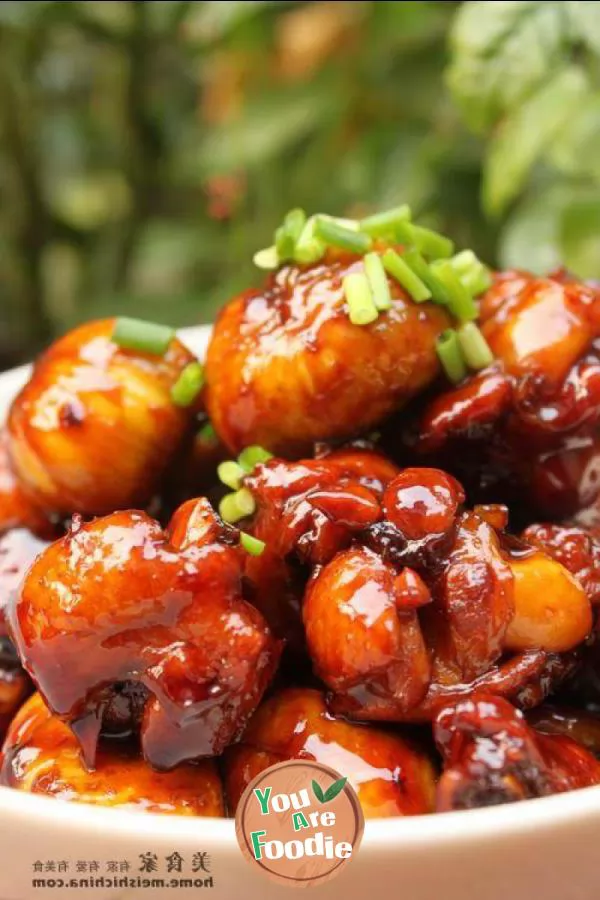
{"type": "Point", "coordinates": [148, 148]}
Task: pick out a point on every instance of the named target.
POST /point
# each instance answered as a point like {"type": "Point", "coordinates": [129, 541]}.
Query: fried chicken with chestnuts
{"type": "Point", "coordinates": [390, 774]}
{"type": "Point", "coordinates": [41, 756]}
{"type": "Point", "coordinates": [526, 429]}
{"type": "Point", "coordinates": [404, 604]}
{"type": "Point", "coordinates": [119, 600]}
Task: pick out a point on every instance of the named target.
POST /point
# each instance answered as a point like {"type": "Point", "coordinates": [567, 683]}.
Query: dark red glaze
{"type": "Point", "coordinates": [581, 725]}
{"type": "Point", "coordinates": [15, 685]}
{"type": "Point", "coordinates": [41, 756]}
{"type": "Point", "coordinates": [118, 600]}
{"type": "Point", "coordinates": [526, 429]}
{"type": "Point", "coordinates": [422, 503]}
{"type": "Point", "coordinates": [391, 776]}
{"type": "Point", "coordinates": [306, 512]}
{"type": "Point", "coordinates": [492, 756]}
{"type": "Point", "coordinates": [397, 626]}
{"type": "Point", "coordinates": [95, 427]}
{"type": "Point", "coordinates": [286, 367]}
{"type": "Point", "coordinates": [578, 549]}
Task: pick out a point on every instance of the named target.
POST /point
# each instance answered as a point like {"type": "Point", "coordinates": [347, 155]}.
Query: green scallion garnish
{"type": "Point", "coordinates": [252, 456]}
{"type": "Point", "coordinates": [266, 259]}
{"type": "Point", "coordinates": [378, 282]}
{"type": "Point", "coordinates": [385, 224]}
{"type": "Point", "coordinates": [431, 243]}
{"type": "Point", "coordinates": [207, 432]}
{"type": "Point", "coordinates": [234, 507]}
{"type": "Point", "coordinates": [146, 337]}
{"type": "Point", "coordinates": [415, 261]}
{"type": "Point", "coordinates": [450, 355]}
{"type": "Point", "coordinates": [251, 544]}
{"type": "Point", "coordinates": [475, 349]}
{"type": "Point", "coordinates": [188, 385]}
{"type": "Point", "coordinates": [309, 249]}
{"type": "Point", "coordinates": [475, 276]}
{"type": "Point", "coordinates": [460, 302]}
{"type": "Point", "coordinates": [359, 298]}
{"type": "Point", "coordinates": [286, 237]}
{"type": "Point", "coordinates": [231, 474]}
{"type": "Point", "coordinates": [404, 275]}
{"type": "Point", "coordinates": [334, 234]}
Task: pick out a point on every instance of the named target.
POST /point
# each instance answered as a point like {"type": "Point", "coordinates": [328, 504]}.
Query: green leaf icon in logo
{"type": "Point", "coordinates": [318, 792]}
{"type": "Point", "coordinates": [334, 789]}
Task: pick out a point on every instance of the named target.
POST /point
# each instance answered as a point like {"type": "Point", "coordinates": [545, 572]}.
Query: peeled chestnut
{"type": "Point", "coordinates": [391, 776]}
{"type": "Point", "coordinates": [286, 367]}
{"type": "Point", "coordinates": [41, 756]}
{"type": "Point", "coordinates": [96, 426]}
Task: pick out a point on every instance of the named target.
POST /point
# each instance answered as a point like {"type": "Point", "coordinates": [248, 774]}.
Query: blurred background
{"type": "Point", "coordinates": [147, 149]}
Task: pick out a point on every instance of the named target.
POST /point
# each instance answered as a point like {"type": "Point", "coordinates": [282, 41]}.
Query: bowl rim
{"type": "Point", "coordinates": [488, 824]}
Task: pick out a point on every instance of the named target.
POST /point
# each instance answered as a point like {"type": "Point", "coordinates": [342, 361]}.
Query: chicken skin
{"type": "Point", "coordinates": [525, 430]}
{"type": "Point", "coordinates": [118, 600]}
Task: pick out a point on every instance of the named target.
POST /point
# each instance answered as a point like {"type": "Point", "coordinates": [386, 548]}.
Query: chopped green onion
{"type": "Point", "coordinates": [385, 223]}
{"type": "Point", "coordinates": [351, 224]}
{"type": "Point", "coordinates": [251, 544]}
{"type": "Point", "coordinates": [188, 385]}
{"type": "Point", "coordinates": [461, 304]}
{"type": "Point", "coordinates": [431, 243]}
{"type": "Point", "coordinates": [359, 298]}
{"type": "Point", "coordinates": [378, 282]}
{"type": "Point", "coordinates": [415, 261]}
{"type": "Point", "coordinates": [267, 258]}
{"type": "Point", "coordinates": [449, 352]}
{"type": "Point", "coordinates": [234, 507]}
{"type": "Point", "coordinates": [405, 276]}
{"type": "Point", "coordinates": [336, 235]}
{"type": "Point", "coordinates": [147, 337]}
{"type": "Point", "coordinates": [475, 276]}
{"type": "Point", "coordinates": [464, 261]}
{"type": "Point", "coordinates": [286, 237]}
{"type": "Point", "coordinates": [252, 456]}
{"type": "Point", "coordinates": [207, 432]}
{"type": "Point", "coordinates": [309, 249]}
{"type": "Point", "coordinates": [474, 346]}
{"type": "Point", "coordinates": [231, 474]}
{"type": "Point", "coordinates": [477, 281]}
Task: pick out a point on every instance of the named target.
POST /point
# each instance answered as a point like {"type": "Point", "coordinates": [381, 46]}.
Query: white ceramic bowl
{"type": "Point", "coordinates": [541, 848]}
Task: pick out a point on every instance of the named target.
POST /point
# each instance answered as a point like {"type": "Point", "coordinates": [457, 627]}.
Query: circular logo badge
{"type": "Point", "coordinates": [299, 822]}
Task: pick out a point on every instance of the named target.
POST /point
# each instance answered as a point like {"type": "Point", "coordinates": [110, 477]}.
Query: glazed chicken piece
{"type": "Point", "coordinates": [307, 511]}
{"type": "Point", "coordinates": [491, 756]}
{"type": "Point", "coordinates": [578, 549]}
{"type": "Point", "coordinates": [432, 602]}
{"type": "Point", "coordinates": [118, 600]}
{"type": "Point", "coordinates": [15, 685]}
{"type": "Point", "coordinates": [17, 511]}
{"type": "Point", "coordinates": [286, 367]}
{"type": "Point", "coordinates": [96, 426]}
{"type": "Point", "coordinates": [582, 726]}
{"type": "Point", "coordinates": [526, 429]}
{"type": "Point", "coordinates": [391, 776]}
{"type": "Point", "coordinates": [41, 756]}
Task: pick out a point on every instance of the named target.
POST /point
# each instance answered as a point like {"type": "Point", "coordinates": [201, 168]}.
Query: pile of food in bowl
{"type": "Point", "coordinates": [364, 531]}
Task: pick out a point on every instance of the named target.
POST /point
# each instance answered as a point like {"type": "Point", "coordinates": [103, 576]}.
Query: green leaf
{"type": "Point", "coordinates": [318, 791]}
{"type": "Point", "coordinates": [580, 236]}
{"type": "Point", "coordinates": [500, 53]}
{"type": "Point", "coordinates": [334, 789]}
{"type": "Point", "coordinates": [530, 238]}
{"type": "Point", "coordinates": [583, 18]}
{"type": "Point", "coordinates": [524, 136]}
{"type": "Point", "coordinates": [575, 150]}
